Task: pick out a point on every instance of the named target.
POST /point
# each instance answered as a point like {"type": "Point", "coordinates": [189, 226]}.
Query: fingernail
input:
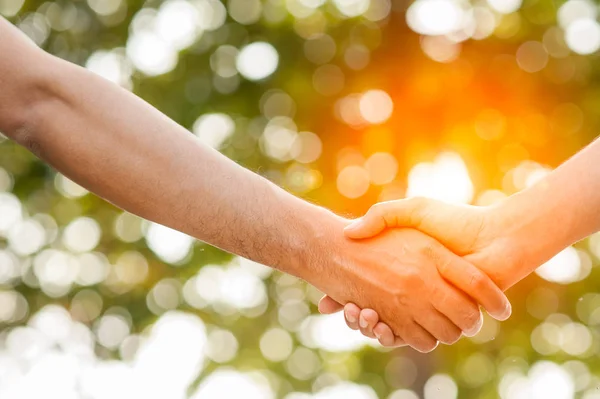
{"type": "Point", "coordinates": [508, 311]}
{"type": "Point", "coordinates": [363, 323]}
{"type": "Point", "coordinates": [505, 314]}
{"type": "Point", "coordinates": [350, 318]}
{"type": "Point", "coordinates": [377, 335]}
{"type": "Point", "coordinates": [353, 225]}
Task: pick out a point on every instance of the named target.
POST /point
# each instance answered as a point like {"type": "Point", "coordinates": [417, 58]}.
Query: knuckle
{"type": "Point", "coordinates": [412, 281]}
{"type": "Point", "coordinates": [390, 220]}
{"type": "Point", "coordinates": [443, 265]}
{"type": "Point", "coordinates": [478, 282]}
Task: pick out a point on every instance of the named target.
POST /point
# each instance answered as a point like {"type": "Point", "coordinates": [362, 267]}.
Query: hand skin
{"type": "Point", "coordinates": [419, 268]}
{"type": "Point", "coordinates": [507, 241]}
{"type": "Point", "coordinates": [465, 230]}
{"type": "Point", "coordinates": [119, 147]}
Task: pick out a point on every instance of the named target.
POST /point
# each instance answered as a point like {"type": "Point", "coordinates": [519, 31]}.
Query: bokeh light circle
{"type": "Point", "coordinates": [257, 61]}
{"type": "Point", "coordinates": [376, 106]}
{"type": "Point", "coordinates": [583, 36]}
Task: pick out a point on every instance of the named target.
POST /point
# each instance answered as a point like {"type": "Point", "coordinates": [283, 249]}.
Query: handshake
{"type": "Point", "coordinates": [428, 266]}
{"type": "Point", "coordinates": [430, 273]}
{"type": "Point", "coordinates": [420, 282]}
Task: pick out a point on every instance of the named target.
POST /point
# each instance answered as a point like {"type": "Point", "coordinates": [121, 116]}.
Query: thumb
{"type": "Point", "coordinates": [367, 226]}
{"type": "Point", "coordinates": [328, 306]}
{"type": "Point", "coordinates": [381, 216]}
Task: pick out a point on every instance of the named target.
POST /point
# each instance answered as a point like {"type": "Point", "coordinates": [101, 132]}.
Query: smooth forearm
{"type": "Point", "coordinates": [22, 77]}
{"type": "Point", "coordinates": [561, 209]}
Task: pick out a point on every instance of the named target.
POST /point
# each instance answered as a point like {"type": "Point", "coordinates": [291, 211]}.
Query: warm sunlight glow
{"type": "Point", "coordinates": [434, 17]}
{"type": "Point", "coordinates": [446, 179]}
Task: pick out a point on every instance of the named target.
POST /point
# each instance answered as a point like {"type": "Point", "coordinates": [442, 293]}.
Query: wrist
{"type": "Point", "coordinates": [316, 245]}
{"type": "Point", "coordinates": [523, 235]}
{"type": "Point", "coordinates": [329, 261]}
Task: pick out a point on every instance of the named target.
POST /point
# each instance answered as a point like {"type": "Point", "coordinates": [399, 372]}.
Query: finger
{"type": "Point", "coordinates": [378, 218]}
{"type": "Point", "coordinates": [439, 326]}
{"type": "Point", "coordinates": [328, 306]}
{"type": "Point", "coordinates": [351, 314]}
{"type": "Point", "coordinates": [367, 320]}
{"type": "Point", "coordinates": [418, 338]}
{"type": "Point", "coordinates": [386, 337]}
{"type": "Point", "coordinates": [365, 227]}
{"type": "Point", "coordinates": [458, 308]}
{"type": "Point", "coordinates": [400, 213]}
{"type": "Point", "coordinates": [477, 285]}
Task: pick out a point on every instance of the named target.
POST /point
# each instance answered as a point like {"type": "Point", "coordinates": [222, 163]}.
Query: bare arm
{"type": "Point", "coordinates": [21, 79]}
{"type": "Point", "coordinates": [121, 148]}
{"type": "Point", "coordinates": [507, 241]}
{"type": "Point", "coordinates": [118, 146]}
{"type": "Point", "coordinates": [511, 239]}
{"type": "Point", "coordinates": [559, 210]}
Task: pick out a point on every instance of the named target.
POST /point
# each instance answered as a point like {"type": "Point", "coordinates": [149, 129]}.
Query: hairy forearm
{"type": "Point", "coordinates": [119, 147]}
{"type": "Point", "coordinates": [558, 211]}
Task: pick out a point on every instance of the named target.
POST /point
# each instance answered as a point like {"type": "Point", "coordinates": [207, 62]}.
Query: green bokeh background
{"type": "Point", "coordinates": [436, 106]}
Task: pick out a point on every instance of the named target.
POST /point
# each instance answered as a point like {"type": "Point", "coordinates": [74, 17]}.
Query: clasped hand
{"type": "Point", "coordinates": [437, 286]}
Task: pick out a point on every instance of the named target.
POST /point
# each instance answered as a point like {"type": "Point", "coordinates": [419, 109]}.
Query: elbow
{"type": "Point", "coordinates": [25, 84]}
{"type": "Point", "coordinates": [26, 134]}
{"type": "Point", "coordinates": [22, 111]}
{"type": "Point", "coordinates": [23, 126]}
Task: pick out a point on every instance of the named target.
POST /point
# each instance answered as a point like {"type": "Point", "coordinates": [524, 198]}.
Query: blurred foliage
{"type": "Point", "coordinates": [482, 104]}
